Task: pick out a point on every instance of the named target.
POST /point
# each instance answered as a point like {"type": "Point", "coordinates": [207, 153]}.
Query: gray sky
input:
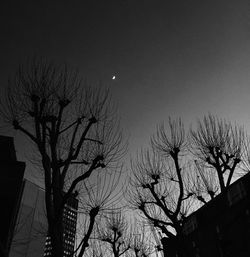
{"type": "Point", "coordinates": [171, 58]}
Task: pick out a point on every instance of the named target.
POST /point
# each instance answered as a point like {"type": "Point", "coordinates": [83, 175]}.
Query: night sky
{"type": "Point", "coordinates": [170, 58]}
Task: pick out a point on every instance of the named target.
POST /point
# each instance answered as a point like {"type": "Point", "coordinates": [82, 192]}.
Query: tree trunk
{"type": "Point", "coordinates": [57, 240]}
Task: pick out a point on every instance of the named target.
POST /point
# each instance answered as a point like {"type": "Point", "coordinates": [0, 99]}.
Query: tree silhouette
{"type": "Point", "coordinates": [169, 177]}
{"type": "Point", "coordinates": [203, 182]}
{"type": "Point", "coordinates": [73, 127]}
{"type": "Point", "coordinates": [220, 145]}
{"type": "Point", "coordinates": [98, 200]}
{"type": "Point", "coordinates": [96, 249]}
{"type": "Point", "coordinates": [141, 244]}
{"type": "Point", "coordinates": [115, 232]}
{"type": "Point", "coordinates": [158, 184]}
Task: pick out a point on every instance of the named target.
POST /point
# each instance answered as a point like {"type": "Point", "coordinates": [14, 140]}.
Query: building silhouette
{"type": "Point", "coordinates": [31, 231]}
{"type": "Point", "coordinates": [23, 222]}
{"type": "Point", "coordinates": [31, 224]}
{"type": "Point", "coordinates": [221, 228]}
{"type": "Point", "coordinates": [30, 234]}
{"type": "Point", "coordinates": [11, 177]}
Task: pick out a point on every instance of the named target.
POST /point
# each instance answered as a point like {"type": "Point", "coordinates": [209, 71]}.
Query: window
{"type": "Point", "coordinates": [235, 193]}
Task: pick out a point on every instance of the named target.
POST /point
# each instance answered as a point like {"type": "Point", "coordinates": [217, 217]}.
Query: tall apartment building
{"type": "Point", "coordinates": [70, 222]}
{"type": "Point", "coordinates": [221, 228]}
{"type": "Point", "coordinates": [11, 177]}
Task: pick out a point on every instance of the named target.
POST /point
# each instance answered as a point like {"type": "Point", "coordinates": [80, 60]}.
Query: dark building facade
{"type": "Point", "coordinates": [11, 177]}
{"type": "Point", "coordinates": [221, 228]}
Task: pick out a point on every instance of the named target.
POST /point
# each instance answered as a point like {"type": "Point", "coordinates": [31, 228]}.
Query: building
{"type": "Point", "coordinates": [11, 177]}
{"type": "Point", "coordinates": [221, 228]}
{"type": "Point", "coordinates": [23, 222]}
{"type": "Point", "coordinates": [70, 222]}
{"type": "Point", "coordinates": [31, 231]}
{"type": "Point", "coordinates": [31, 225]}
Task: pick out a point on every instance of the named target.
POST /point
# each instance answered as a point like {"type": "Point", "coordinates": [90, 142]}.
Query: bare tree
{"type": "Point", "coordinates": [167, 181]}
{"type": "Point", "coordinates": [158, 182]}
{"type": "Point", "coordinates": [141, 243]}
{"type": "Point", "coordinates": [71, 124]}
{"type": "Point", "coordinates": [115, 232]}
{"type": "Point", "coordinates": [116, 236]}
{"type": "Point", "coordinates": [202, 182]}
{"type": "Point", "coordinates": [96, 249]}
{"type": "Point", "coordinates": [218, 144]}
{"type": "Point", "coordinates": [99, 199]}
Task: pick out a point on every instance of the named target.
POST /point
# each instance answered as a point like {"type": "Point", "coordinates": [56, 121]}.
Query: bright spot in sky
{"type": "Point", "coordinates": [113, 77]}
